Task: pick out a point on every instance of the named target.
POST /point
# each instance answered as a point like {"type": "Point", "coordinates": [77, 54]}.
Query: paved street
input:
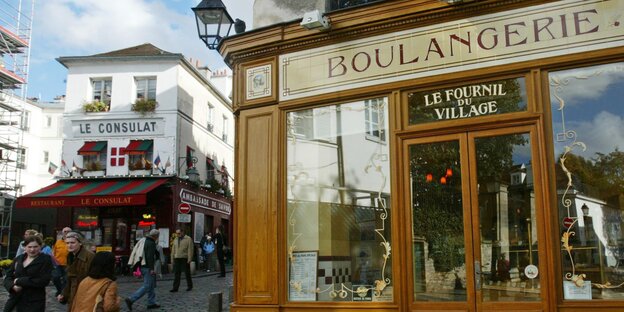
{"type": "Point", "coordinates": [195, 300]}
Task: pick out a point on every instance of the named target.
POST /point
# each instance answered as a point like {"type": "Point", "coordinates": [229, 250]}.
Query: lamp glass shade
{"type": "Point", "coordinates": [193, 174]}
{"type": "Point", "coordinates": [213, 22]}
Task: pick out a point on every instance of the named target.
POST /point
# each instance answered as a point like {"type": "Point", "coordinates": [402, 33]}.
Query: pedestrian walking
{"type": "Point", "coordinates": [219, 241]}
{"type": "Point", "coordinates": [27, 278]}
{"type": "Point", "coordinates": [145, 254]}
{"type": "Point", "coordinates": [59, 251]}
{"type": "Point", "coordinates": [98, 291]}
{"type": "Point", "coordinates": [160, 259]}
{"type": "Point", "coordinates": [78, 263]}
{"type": "Point", "coordinates": [182, 255]}
{"type": "Point", "coordinates": [20, 246]}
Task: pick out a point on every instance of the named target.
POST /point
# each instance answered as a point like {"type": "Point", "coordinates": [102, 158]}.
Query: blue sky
{"type": "Point", "coordinates": [86, 27]}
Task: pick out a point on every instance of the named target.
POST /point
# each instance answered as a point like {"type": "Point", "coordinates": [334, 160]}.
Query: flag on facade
{"type": "Point", "coordinates": [157, 161]}
{"type": "Point", "coordinates": [52, 168]}
{"type": "Point", "coordinates": [63, 164]}
{"type": "Point", "coordinates": [168, 163]}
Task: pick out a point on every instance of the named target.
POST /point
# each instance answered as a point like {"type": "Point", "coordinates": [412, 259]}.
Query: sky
{"type": "Point", "coordinates": [87, 27]}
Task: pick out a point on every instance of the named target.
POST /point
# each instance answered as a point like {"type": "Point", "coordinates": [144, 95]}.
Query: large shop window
{"type": "Point", "coordinates": [338, 195]}
{"type": "Point", "coordinates": [588, 133]}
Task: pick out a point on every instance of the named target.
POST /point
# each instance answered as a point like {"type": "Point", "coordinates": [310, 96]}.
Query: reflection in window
{"type": "Point", "coordinates": [588, 132]}
{"type": "Point", "coordinates": [338, 206]}
{"type": "Point", "coordinates": [438, 223]}
{"type": "Point", "coordinates": [507, 219]}
{"type": "Point", "coordinates": [146, 88]}
{"type": "Point", "coordinates": [375, 119]}
{"type": "Point", "coordinates": [102, 90]}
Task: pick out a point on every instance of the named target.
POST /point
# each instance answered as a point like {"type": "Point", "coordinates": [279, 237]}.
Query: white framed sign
{"type": "Point", "coordinates": [303, 276]}
{"type": "Point", "coordinates": [573, 292]}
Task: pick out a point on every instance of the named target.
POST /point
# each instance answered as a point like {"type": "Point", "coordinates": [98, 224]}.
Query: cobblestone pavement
{"type": "Point", "coordinates": [181, 301]}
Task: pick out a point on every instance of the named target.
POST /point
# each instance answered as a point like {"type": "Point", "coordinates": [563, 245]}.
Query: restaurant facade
{"type": "Point", "coordinates": [421, 155]}
{"type": "Point", "coordinates": [145, 147]}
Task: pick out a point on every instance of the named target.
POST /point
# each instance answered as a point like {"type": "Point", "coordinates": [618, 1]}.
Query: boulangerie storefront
{"type": "Point", "coordinates": [421, 156]}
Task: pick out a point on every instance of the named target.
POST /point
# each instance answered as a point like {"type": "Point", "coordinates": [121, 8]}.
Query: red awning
{"type": "Point", "coordinates": [91, 193]}
{"type": "Point", "coordinates": [138, 147]}
{"type": "Point", "coordinates": [92, 148]}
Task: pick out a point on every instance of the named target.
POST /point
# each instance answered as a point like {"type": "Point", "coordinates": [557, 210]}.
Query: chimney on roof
{"type": "Point", "coordinates": [205, 71]}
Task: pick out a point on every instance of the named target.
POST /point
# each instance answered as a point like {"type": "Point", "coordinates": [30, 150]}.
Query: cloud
{"type": "Point", "coordinates": [84, 27]}
{"type": "Point", "coordinates": [603, 134]}
{"type": "Point", "coordinates": [582, 84]}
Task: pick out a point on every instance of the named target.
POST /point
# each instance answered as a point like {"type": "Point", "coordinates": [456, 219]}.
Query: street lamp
{"type": "Point", "coordinates": [585, 210]}
{"type": "Point", "coordinates": [213, 22]}
{"type": "Point", "coordinates": [193, 174]}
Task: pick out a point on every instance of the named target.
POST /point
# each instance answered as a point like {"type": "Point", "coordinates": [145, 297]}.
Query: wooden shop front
{"type": "Point", "coordinates": [421, 156]}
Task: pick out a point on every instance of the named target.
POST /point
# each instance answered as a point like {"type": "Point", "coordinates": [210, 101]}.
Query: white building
{"type": "Point", "coordinates": [148, 143]}
{"type": "Point", "coordinates": [190, 116]}
{"type": "Point", "coordinates": [42, 138]}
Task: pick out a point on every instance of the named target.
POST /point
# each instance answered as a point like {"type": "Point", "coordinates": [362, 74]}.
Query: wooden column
{"type": "Point", "coordinates": [256, 254]}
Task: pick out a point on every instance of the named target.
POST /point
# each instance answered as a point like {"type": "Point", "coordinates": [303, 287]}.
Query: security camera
{"type": "Point", "coordinates": [314, 19]}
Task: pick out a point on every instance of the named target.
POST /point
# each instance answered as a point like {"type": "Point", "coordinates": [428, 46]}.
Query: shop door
{"type": "Point", "coordinates": [476, 221]}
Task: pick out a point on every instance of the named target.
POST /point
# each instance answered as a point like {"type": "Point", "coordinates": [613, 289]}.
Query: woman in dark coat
{"type": "Point", "coordinates": [27, 278]}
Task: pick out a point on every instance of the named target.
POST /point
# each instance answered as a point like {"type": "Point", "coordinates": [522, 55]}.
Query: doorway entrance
{"type": "Point", "coordinates": [476, 221]}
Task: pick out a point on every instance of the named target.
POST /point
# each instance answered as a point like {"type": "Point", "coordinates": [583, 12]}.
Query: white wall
{"type": "Point", "coordinates": [181, 116]}
{"type": "Point", "coordinates": [40, 138]}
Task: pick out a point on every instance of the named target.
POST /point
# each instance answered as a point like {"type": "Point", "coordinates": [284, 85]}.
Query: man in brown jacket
{"type": "Point", "coordinates": [182, 255]}
{"type": "Point", "coordinates": [78, 262]}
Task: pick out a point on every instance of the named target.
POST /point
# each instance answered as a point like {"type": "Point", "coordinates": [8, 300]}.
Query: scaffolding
{"type": "Point", "coordinates": [15, 33]}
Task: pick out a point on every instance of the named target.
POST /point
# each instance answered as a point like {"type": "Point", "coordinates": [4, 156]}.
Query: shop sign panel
{"type": "Point", "coordinates": [205, 202]}
{"type": "Point", "coordinates": [525, 34]}
{"type": "Point", "coordinates": [184, 218]}
{"type": "Point", "coordinates": [134, 127]}
{"type": "Point", "coordinates": [468, 101]}
{"type": "Point", "coordinates": [86, 201]}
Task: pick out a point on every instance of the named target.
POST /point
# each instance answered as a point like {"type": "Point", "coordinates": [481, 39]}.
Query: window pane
{"type": "Point", "coordinates": [588, 132]}
{"type": "Point", "coordinates": [507, 219]}
{"type": "Point", "coordinates": [437, 222]}
{"type": "Point", "coordinates": [468, 101]}
{"type": "Point", "coordinates": [338, 207]}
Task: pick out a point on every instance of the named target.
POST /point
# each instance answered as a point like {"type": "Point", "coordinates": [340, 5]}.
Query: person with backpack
{"type": "Point", "coordinates": [208, 248]}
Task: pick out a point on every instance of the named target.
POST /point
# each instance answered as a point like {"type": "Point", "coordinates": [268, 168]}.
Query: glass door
{"type": "Point", "coordinates": [475, 221]}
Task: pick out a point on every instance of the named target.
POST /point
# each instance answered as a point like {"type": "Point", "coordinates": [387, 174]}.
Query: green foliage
{"type": "Point", "coordinates": [95, 106]}
{"type": "Point", "coordinates": [144, 106]}
{"type": "Point", "coordinates": [601, 177]}
{"type": "Point", "coordinates": [214, 186]}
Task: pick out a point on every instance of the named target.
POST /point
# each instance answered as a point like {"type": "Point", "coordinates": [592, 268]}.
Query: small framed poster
{"type": "Point", "coordinates": [573, 292]}
{"type": "Point", "coordinates": [303, 276]}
